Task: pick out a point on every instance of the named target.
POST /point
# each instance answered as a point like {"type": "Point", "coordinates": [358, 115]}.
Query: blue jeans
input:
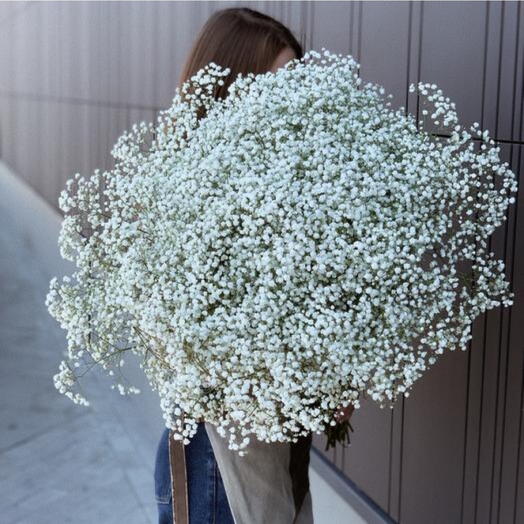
{"type": "Point", "coordinates": [206, 494]}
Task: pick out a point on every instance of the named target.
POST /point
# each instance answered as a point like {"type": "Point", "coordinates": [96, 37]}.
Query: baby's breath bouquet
{"type": "Point", "coordinates": [299, 245]}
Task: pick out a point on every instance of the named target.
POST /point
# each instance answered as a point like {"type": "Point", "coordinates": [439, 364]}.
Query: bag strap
{"type": "Point", "coordinates": [177, 467]}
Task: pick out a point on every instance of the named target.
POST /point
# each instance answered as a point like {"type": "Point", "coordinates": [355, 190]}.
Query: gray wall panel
{"type": "Point", "coordinates": [166, 68]}
{"type": "Point", "coordinates": [6, 63]}
{"type": "Point", "coordinates": [54, 64]}
{"type": "Point", "coordinates": [367, 459]}
{"type": "Point", "coordinates": [473, 387]}
{"type": "Point", "coordinates": [293, 17]}
{"type": "Point", "coordinates": [384, 46]}
{"type": "Point", "coordinates": [511, 62]}
{"type": "Point", "coordinates": [500, 326]}
{"type": "Point", "coordinates": [433, 430]}
{"type": "Point", "coordinates": [332, 21]}
{"type": "Point", "coordinates": [491, 51]}
{"type": "Point", "coordinates": [512, 481]}
{"type": "Point", "coordinates": [453, 35]}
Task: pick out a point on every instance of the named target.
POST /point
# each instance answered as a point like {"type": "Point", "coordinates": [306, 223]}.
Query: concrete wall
{"type": "Point", "coordinates": [76, 74]}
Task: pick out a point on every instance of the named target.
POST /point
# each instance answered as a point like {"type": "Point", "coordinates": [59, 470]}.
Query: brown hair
{"type": "Point", "coordinates": [242, 39]}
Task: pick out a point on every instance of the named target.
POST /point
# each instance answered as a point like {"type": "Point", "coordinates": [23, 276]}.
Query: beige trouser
{"type": "Point", "coordinates": [270, 484]}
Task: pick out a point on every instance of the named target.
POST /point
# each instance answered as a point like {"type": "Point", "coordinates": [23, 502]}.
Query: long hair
{"type": "Point", "coordinates": [242, 39]}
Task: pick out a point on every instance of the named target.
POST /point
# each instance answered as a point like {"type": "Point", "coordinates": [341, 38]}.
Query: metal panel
{"type": "Point", "coordinates": [6, 54]}
{"type": "Point", "coordinates": [453, 40]}
{"type": "Point", "coordinates": [331, 23]}
{"type": "Point", "coordinates": [25, 44]}
{"type": "Point", "coordinates": [139, 54]}
{"type": "Point", "coordinates": [50, 160]}
{"type": "Point", "coordinates": [506, 450]}
{"type": "Point", "coordinates": [431, 472]}
{"type": "Point", "coordinates": [516, 342]}
{"type": "Point", "coordinates": [166, 77]}
{"type": "Point", "coordinates": [510, 60]}
{"type": "Point", "coordinates": [292, 16]}
{"type": "Point", "coordinates": [187, 24]}
{"type": "Point", "coordinates": [367, 460]}
{"type": "Point", "coordinates": [384, 46]}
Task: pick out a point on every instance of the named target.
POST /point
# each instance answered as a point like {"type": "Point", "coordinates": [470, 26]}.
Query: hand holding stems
{"type": "Point", "coordinates": [340, 432]}
{"type": "Point", "coordinates": [344, 413]}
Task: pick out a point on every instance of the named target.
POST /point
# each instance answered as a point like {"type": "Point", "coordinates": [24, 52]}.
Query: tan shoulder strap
{"type": "Point", "coordinates": [177, 467]}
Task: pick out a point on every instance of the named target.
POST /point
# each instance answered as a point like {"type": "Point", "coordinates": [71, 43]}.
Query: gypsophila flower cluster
{"type": "Point", "coordinates": [301, 243]}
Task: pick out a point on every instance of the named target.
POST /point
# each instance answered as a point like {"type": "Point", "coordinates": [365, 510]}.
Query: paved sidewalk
{"type": "Point", "coordinates": [59, 462]}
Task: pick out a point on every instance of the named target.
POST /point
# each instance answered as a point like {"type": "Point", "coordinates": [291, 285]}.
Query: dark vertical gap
{"type": "Point", "coordinates": [503, 418]}
{"type": "Point", "coordinates": [519, 165]}
{"type": "Point", "coordinates": [469, 347]}
{"type": "Point", "coordinates": [392, 416]}
{"type": "Point", "coordinates": [464, 447]}
{"type": "Point", "coordinates": [350, 32]}
{"type": "Point", "coordinates": [419, 67]}
{"type": "Point", "coordinates": [512, 266]}
{"type": "Point", "coordinates": [401, 458]}
{"type": "Point", "coordinates": [484, 320]}
{"type": "Point", "coordinates": [507, 337]}
{"type": "Point", "coordinates": [500, 315]}
{"type": "Point", "coordinates": [343, 457]}
{"type": "Point", "coordinates": [519, 438]}
{"type": "Point", "coordinates": [391, 421]}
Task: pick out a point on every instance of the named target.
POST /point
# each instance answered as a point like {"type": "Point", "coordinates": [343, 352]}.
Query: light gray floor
{"type": "Point", "coordinates": [62, 463]}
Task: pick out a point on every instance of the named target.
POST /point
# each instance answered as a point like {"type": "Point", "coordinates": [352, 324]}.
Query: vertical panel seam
{"type": "Point", "coordinates": [512, 266]}
{"type": "Point", "coordinates": [479, 439]}
{"type": "Point", "coordinates": [494, 445]}
{"type": "Point", "coordinates": [519, 439]}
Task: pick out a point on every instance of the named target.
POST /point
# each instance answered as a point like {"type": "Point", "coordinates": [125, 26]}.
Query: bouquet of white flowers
{"type": "Point", "coordinates": [273, 255]}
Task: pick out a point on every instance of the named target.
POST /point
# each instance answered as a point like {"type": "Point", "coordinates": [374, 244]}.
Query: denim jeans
{"type": "Point", "coordinates": [207, 498]}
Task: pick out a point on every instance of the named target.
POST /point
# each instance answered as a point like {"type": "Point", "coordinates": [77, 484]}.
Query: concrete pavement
{"type": "Point", "coordinates": [59, 462]}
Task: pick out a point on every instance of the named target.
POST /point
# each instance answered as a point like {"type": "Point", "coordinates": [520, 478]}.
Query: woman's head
{"type": "Point", "coordinates": [243, 40]}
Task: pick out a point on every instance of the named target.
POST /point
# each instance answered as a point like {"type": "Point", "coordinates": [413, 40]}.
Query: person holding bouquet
{"type": "Point", "coordinates": [271, 483]}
